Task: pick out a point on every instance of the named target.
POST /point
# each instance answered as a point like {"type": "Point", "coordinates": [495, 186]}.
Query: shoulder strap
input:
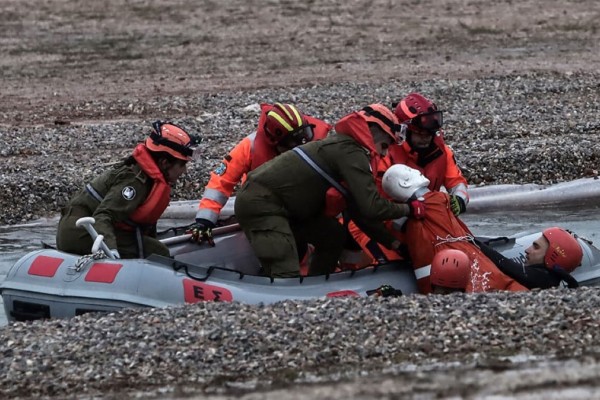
{"type": "Point", "coordinates": [320, 171]}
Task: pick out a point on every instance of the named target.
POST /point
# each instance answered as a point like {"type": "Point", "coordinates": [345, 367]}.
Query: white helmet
{"type": "Point", "coordinates": [400, 182]}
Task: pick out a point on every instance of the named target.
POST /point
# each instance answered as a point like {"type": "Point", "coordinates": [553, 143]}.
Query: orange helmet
{"type": "Point", "coordinates": [451, 268]}
{"type": "Point", "coordinates": [564, 250]}
{"type": "Point", "coordinates": [383, 117]}
{"type": "Point", "coordinates": [419, 113]}
{"type": "Point", "coordinates": [285, 126]}
{"type": "Point", "coordinates": [171, 139]}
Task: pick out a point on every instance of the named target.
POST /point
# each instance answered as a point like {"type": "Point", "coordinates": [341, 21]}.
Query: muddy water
{"type": "Point", "coordinates": [17, 240]}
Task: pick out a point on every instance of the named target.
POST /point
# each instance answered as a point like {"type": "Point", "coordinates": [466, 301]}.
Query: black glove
{"type": "Point", "coordinates": [202, 231]}
{"type": "Point", "coordinates": [385, 291]}
{"type": "Point", "coordinates": [457, 205]}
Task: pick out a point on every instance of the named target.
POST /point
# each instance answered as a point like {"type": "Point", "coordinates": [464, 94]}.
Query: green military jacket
{"type": "Point", "coordinates": [123, 188]}
{"type": "Point", "coordinates": [302, 190]}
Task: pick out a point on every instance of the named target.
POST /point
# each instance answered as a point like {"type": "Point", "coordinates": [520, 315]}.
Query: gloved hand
{"type": "Point", "coordinates": [457, 205]}
{"type": "Point", "coordinates": [202, 231]}
{"type": "Point", "coordinates": [115, 253]}
{"type": "Point", "coordinates": [417, 209]}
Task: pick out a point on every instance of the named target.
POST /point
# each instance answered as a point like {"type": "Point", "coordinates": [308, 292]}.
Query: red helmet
{"type": "Point", "coordinates": [285, 125]}
{"type": "Point", "coordinates": [564, 250]}
{"type": "Point", "coordinates": [171, 139]}
{"type": "Point", "coordinates": [383, 117]}
{"type": "Point", "coordinates": [451, 268]}
{"type": "Point", "coordinates": [419, 113]}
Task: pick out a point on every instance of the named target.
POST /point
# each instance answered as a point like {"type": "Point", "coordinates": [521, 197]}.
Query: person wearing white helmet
{"type": "Point", "coordinates": [440, 230]}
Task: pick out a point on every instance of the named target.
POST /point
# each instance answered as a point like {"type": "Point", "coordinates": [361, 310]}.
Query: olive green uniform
{"type": "Point", "coordinates": [116, 186]}
{"type": "Point", "coordinates": [283, 201]}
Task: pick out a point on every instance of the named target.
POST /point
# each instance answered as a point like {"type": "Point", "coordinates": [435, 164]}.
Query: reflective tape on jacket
{"type": "Point", "coordinates": [423, 272]}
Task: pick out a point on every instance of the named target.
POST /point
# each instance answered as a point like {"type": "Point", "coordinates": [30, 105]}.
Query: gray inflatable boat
{"type": "Point", "coordinates": [47, 283]}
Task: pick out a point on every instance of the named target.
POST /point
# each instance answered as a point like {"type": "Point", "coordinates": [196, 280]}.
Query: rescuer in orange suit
{"type": "Point", "coordinates": [423, 149]}
{"type": "Point", "coordinates": [439, 230]}
{"type": "Point", "coordinates": [281, 127]}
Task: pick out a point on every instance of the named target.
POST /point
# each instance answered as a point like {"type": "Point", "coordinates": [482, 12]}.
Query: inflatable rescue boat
{"type": "Point", "coordinates": [48, 283]}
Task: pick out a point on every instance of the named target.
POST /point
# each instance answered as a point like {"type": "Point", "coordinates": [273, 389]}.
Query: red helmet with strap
{"type": "Point", "coordinates": [170, 138]}
{"type": "Point", "coordinates": [383, 117]}
{"type": "Point", "coordinates": [285, 125]}
{"type": "Point", "coordinates": [564, 251]}
{"type": "Point", "coordinates": [451, 268]}
{"type": "Point", "coordinates": [419, 113]}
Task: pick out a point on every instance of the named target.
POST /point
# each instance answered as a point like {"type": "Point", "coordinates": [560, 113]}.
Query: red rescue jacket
{"type": "Point", "coordinates": [441, 230]}
{"type": "Point", "coordinates": [439, 165]}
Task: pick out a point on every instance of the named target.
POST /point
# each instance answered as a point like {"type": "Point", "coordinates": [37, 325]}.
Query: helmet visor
{"type": "Point", "coordinates": [301, 135]}
{"type": "Point", "coordinates": [431, 122]}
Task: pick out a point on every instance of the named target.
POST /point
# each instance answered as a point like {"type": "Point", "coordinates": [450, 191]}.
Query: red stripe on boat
{"type": "Point", "coordinates": [194, 292]}
{"type": "Point", "coordinates": [343, 293]}
{"type": "Point", "coordinates": [45, 266]}
{"type": "Point", "coordinates": [103, 272]}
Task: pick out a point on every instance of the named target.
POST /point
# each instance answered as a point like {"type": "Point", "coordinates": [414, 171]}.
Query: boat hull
{"type": "Point", "coordinates": [52, 284]}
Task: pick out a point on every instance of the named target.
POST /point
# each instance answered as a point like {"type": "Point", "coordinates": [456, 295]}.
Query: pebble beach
{"type": "Point", "coordinates": [415, 347]}
{"type": "Point", "coordinates": [535, 128]}
{"type": "Point", "coordinates": [519, 84]}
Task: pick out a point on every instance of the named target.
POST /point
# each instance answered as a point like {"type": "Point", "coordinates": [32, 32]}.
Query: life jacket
{"type": "Point", "coordinates": [355, 126]}
{"type": "Point", "coordinates": [432, 164]}
{"type": "Point", "coordinates": [148, 213]}
{"type": "Point", "coordinates": [263, 151]}
{"type": "Point", "coordinates": [442, 230]}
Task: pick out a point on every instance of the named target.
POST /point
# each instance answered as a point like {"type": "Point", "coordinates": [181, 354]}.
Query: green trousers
{"type": "Point", "coordinates": [75, 240]}
{"type": "Point", "coordinates": [273, 234]}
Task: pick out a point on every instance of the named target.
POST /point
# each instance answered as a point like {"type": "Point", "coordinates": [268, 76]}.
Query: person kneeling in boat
{"type": "Point", "coordinates": [421, 146]}
{"type": "Point", "coordinates": [549, 260]}
{"type": "Point", "coordinates": [281, 127]}
{"type": "Point", "coordinates": [283, 201]}
{"type": "Point", "coordinates": [440, 229]}
{"type": "Point", "coordinates": [127, 201]}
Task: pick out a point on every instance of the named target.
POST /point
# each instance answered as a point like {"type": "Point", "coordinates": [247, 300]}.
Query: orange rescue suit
{"type": "Point", "coordinates": [247, 155]}
{"type": "Point", "coordinates": [442, 230]}
{"type": "Point", "coordinates": [439, 165]}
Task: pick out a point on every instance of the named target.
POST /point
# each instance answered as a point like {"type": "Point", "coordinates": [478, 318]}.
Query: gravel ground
{"type": "Point", "coordinates": [533, 128]}
{"type": "Point", "coordinates": [82, 81]}
{"type": "Point", "coordinates": [409, 347]}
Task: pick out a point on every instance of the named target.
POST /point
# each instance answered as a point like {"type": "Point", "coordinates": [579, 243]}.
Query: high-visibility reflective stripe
{"type": "Point", "coordinates": [283, 122]}
{"type": "Point", "coordinates": [207, 214]}
{"type": "Point", "coordinates": [461, 191]}
{"type": "Point", "coordinates": [423, 272]}
{"type": "Point", "coordinates": [215, 195]}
